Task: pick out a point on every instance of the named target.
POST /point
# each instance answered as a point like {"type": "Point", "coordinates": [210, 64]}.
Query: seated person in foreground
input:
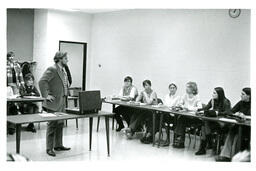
{"type": "Point", "coordinates": [171, 100]}
{"type": "Point", "coordinates": [190, 102]}
{"type": "Point", "coordinates": [29, 89]}
{"type": "Point", "coordinates": [221, 105]}
{"type": "Point", "coordinates": [241, 109]}
{"type": "Point", "coordinates": [149, 97]}
{"type": "Point", "coordinates": [128, 92]}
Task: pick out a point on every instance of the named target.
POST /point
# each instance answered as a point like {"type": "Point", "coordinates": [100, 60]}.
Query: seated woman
{"type": "Point", "coordinates": [242, 109]}
{"type": "Point", "coordinates": [189, 102]}
{"type": "Point", "coordinates": [29, 89]}
{"type": "Point", "coordinates": [149, 97]}
{"type": "Point", "coordinates": [171, 100]}
{"type": "Point", "coordinates": [221, 105]}
{"type": "Point", "coordinates": [128, 92]}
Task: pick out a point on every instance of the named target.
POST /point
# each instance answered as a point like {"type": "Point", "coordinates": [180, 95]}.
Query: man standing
{"type": "Point", "coordinates": [54, 87]}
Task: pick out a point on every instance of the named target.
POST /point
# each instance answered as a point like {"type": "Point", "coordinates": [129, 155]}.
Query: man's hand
{"type": "Point", "coordinates": [50, 98]}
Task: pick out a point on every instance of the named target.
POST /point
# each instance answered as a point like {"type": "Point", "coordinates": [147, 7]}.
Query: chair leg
{"type": "Point", "coordinates": [66, 123]}
{"type": "Point", "coordinates": [195, 139]}
{"type": "Point", "coordinates": [113, 123]}
{"type": "Point", "coordinates": [39, 125]}
{"type": "Point", "coordinates": [168, 133]}
{"type": "Point", "coordinates": [98, 123]}
{"type": "Point", "coordinates": [160, 129]}
{"type": "Point", "coordinates": [218, 144]}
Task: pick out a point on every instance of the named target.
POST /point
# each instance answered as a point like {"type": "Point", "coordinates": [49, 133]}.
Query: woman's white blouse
{"type": "Point", "coordinates": [171, 101]}
{"type": "Point", "coordinates": [192, 104]}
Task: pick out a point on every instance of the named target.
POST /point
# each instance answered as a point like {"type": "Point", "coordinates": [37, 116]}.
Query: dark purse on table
{"type": "Point", "coordinates": [210, 113]}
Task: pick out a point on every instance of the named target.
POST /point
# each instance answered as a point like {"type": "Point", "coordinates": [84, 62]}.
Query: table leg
{"type": "Point", "coordinates": [18, 130]}
{"type": "Point", "coordinates": [239, 138]}
{"type": "Point", "coordinates": [154, 126]}
{"type": "Point", "coordinates": [160, 128]}
{"type": "Point", "coordinates": [107, 132]}
{"type": "Point", "coordinates": [90, 133]}
{"type": "Point", "coordinates": [98, 124]}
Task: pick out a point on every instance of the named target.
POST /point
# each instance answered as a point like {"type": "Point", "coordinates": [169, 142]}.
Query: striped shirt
{"type": "Point", "coordinates": [14, 74]}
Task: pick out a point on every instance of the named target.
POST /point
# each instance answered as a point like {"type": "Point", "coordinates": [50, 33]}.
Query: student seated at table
{"type": "Point", "coordinates": [221, 105]}
{"type": "Point", "coordinates": [128, 92]}
{"type": "Point", "coordinates": [29, 89]}
{"type": "Point", "coordinates": [149, 97]}
{"type": "Point", "coordinates": [171, 100]}
{"type": "Point", "coordinates": [190, 102]}
{"type": "Point", "coordinates": [242, 109]}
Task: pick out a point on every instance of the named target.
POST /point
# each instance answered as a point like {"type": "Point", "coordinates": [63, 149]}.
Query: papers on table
{"type": "Point", "coordinates": [60, 114]}
{"type": "Point", "coordinates": [57, 114]}
{"type": "Point", "coordinates": [228, 120]}
{"type": "Point", "coordinates": [30, 97]}
{"type": "Point", "coordinates": [46, 115]}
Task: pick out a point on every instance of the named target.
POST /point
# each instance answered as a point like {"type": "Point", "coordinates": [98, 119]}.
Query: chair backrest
{"type": "Point", "coordinates": [89, 101]}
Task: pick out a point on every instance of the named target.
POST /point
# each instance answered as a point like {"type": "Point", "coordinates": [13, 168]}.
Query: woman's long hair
{"type": "Point", "coordinates": [221, 98]}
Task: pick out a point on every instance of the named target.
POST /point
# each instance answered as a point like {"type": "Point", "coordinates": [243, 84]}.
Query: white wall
{"type": "Point", "coordinates": [206, 46]}
{"type": "Point", "coordinates": [20, 28]}
{"type": "Point", "coordinates": [58, 25]}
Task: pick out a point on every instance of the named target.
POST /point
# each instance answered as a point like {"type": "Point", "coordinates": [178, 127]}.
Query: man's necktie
{"type": "Point", "coordinates": [65, 82]}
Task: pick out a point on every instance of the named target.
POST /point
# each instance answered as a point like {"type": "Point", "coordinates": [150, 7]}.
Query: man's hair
{"type": "Point", "coordinates": [59, 55]}
{"type": "Point", "coordinates": [28, 77]}
{"type": "Point", "coordinates": [146, 82]}
{"type": "Point", "coordinates": [9, 54]}
{"type": "Point", "coordinates": [128, 78]}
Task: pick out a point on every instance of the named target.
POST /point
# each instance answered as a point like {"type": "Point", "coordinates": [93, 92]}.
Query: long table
{"type": "Point", "coordinates": [161, 110]}
{"type": "Point", "coordinates": [18, 120]}
{"type": "Point", "coordinates": [25, 99]}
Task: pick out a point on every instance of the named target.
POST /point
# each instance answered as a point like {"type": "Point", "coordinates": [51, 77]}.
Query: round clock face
{"type": "Point", "coordinates": [234, 13]}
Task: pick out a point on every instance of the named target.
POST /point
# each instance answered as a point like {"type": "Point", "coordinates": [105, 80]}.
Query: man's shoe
{"type": "Point", "coordinates": [61, 148]}
{"type": "Point", "coordinates": [50, 153]}
{"type": "Point", "coordinates": [33, 130]}
{"type": "Point", "coordinates": [11, 131]}
{"type": "Point", "coordinates": [222, 159]}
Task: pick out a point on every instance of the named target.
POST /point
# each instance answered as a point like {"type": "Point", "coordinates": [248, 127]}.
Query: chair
{"type": "Point", "coordinates": [194, 129]}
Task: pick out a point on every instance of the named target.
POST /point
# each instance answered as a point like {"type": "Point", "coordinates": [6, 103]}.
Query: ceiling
{"type": "Point", "coordinates": [91, 11]}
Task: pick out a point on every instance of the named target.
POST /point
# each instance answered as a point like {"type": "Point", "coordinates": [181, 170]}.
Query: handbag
{"type": "Point", "coordinates": [210, 113]}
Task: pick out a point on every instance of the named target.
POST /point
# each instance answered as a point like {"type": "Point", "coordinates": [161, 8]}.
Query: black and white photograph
{"type": "Point", "coordinates": [128, 84]}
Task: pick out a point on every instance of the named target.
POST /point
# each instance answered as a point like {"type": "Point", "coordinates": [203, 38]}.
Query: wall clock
{"type": "Point", "coordinates": [234, 13]}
